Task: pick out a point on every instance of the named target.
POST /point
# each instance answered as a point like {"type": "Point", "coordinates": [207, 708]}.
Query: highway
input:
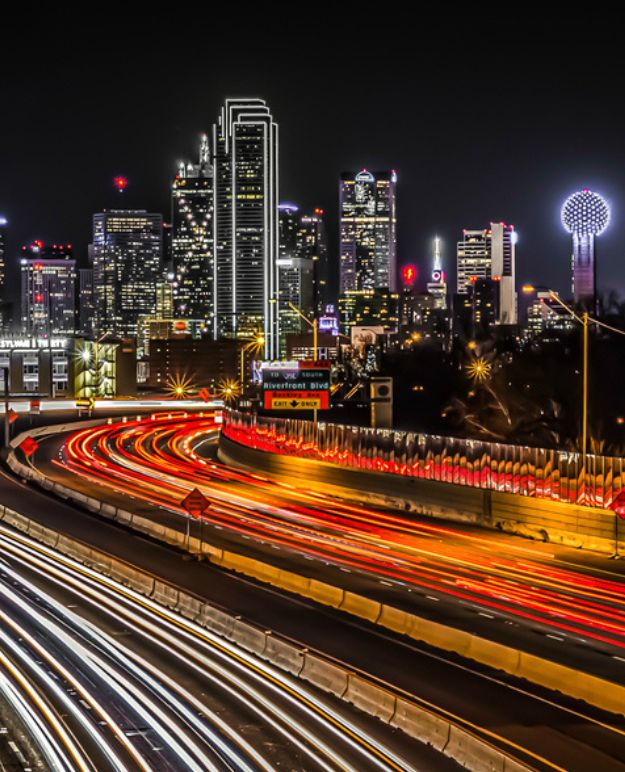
{"type": "Point", "coordinates": [162, 463]}
{"type": "Point", "coordinates": [557, 732]}
{"type": "Point", "coordinates": [104, 678]}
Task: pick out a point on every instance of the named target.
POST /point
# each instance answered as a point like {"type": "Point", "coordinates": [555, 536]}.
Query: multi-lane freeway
{"type": "Point", "coordinates": [103, 678]}
{"type": "Point", "coordinates": [433, 567]}
{"type": "Point", "coordinates": [163, 462]}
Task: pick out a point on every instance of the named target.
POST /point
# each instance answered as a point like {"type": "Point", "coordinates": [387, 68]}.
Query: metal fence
{"type": "Point", "coordinates": [537, 472]}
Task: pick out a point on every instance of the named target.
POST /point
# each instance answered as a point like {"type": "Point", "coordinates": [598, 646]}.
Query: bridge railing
{"type": "Point", "coordinates": [539, 472]}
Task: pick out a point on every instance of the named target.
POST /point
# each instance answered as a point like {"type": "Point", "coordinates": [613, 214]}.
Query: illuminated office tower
{"type": "Point", "coordinates": [472, 259]}
{"type": "Point", "coordinates": [127, 254]}
{"type": "Point", "coordinates": [313, 245]}
{"type": "Point", "coordinates": [86, 305]}
{"type": "Point", "coordinates": [245, 147]}
{"type": "Point", "coordinates": [503, 270]}
{"type": "Point", "coordinates": [295, 274]}
{"type": "Point", "coordinates": [192, 237]}
{"type": "Point", "coordinates": [490, 254]}
{"type": "Point", "coordinates": [585, 215]}
{"type": "Point", "coordinates": [437, 286]}
{"type": "Point", "coordinates": [368, 231]}
{"type": "Point", "coordinates": [48, 294]}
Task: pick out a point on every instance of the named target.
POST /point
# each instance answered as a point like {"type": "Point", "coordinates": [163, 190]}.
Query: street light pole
{"type": "Point", "coordinates": [585, 398]}
{"type": "Point", "coordinates": [315, 329]}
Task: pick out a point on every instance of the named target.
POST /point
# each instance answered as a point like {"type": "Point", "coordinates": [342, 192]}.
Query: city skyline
{"type": "Point", "coordinates": [452, 174]}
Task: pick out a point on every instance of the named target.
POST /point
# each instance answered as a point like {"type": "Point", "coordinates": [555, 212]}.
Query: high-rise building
{"type": "Point", "coordinates": [585, 215]}
{"type": "Point", "coordinates": [127, 254]}
{"type": "Point", "coordinates": [313, 245]}
{"type": "Point", "coordinates": [192, 237]}
{"type": "Point", "coordinates": [373, 307]}
{"type": "Point", "coordinates": [368, 231]}
{"type": "Point", "coordinates": [490, 254]}
{"type": "Point", "coordinates": [546, 314]}
{"type": "Point", "coordinates": [437, 286]}
{"type": "Point", "coordinates": [295, 272]}
{"type": "Point", "coordinates": [245, 147]}
{"type": "Point", "coordinates": [48, 295]}
{"type": "Point", "coordinates": [86, 303]}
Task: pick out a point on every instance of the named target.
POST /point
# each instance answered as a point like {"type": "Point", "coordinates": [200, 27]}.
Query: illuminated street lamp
{"type": "Point", "coordinates": [479, 369]}
{"type": "Point", "coordinates": [584, 320]}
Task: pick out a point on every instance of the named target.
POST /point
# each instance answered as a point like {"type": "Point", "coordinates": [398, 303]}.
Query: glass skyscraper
{"type": "Point", "coordinates": [490, 253]}
{"type": "Point", "coordinates": [368, 231]}
{"type": "Point", "coordinates": [245, 147]}
{"type": "Point", "coordinates": [192, 237]}
{"type": "Point", "coordinates": [127, 254]}
{"type": "Point", "coordinates": [48, 275]}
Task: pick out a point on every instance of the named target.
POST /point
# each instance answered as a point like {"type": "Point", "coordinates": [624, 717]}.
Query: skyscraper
{"type": "Point", "coordinates": [301, 267]}
{"type": "Point", "coordinates": [313, 244]}
{"type": "Point", "coordinates": [245, 147]}
{"type": "Point", "coordinates": [585, 215]}
{"type": "Point", "coordinates": [368, 231]}
{"type": "Point", "coordinates": [437, 286]}
{"type": "Point", "coordinates": [192, 237]}
{"type": "Point", "coordinates": [86, 304]}
{"type": "Point", "coordinates": [48, 275]}
{"type": "Point", "coordinates": [127, 266]}
{"type": "Point", "coordinates": [490, 254]}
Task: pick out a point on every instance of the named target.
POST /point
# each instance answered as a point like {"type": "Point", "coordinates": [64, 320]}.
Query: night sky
{"type": "Point", "coordinates": [498, 123]}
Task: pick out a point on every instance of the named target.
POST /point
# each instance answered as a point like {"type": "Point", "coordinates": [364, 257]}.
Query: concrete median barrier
{"type": "Point", "coordinates": [472, 753]}
{"type": "Point", "coordinates": [326, 675]}
{"type": "Point", "coordinates": [216, 620]}
{"type": "Point", "coordinates": [123, 517]}
{"type": "Point", "coordinates": [421, 724]}
{"type": "Point", "coordinates": [248, 637]}
{"type": "Point", "coordinates": [108, 510]}
{"type": "Point", "coordinates": [16, 520]}
{"type": "Point", "coordinates": [286, 656]}
{"type": "Point", "coordinates": [295, 583]}
{"type": "Point", "coordinates": [325, 593]}
{"type": "Point", "coordinates": [441, 636]}
{"type": "Point", "coordinates": [494, 654]}
{"type": "Point", "coordinates": [165, 594]}
{"type": "Point", "coordinates": [395, 619]}
{"type": "Point", "coordinates": [370, 698]}
{"type": "Point", "coordinates": [362, 607]}
{"type": "Point", "coordinates": [188, 606]}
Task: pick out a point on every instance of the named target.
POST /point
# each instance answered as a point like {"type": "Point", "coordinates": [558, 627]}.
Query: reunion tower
{"type": "Point", "coordinates": [585, 215]}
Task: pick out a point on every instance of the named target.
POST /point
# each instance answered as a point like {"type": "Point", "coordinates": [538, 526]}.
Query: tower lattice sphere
{"type": "Point", "coordinates": [585, 215]}
{"type": "Point", "coordinates": [585, 212]}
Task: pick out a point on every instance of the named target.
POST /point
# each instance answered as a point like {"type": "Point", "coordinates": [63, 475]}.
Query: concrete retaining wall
{"type": "Point", "coordinates": [544, 520]}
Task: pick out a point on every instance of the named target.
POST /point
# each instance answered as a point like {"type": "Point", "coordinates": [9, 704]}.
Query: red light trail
{"type": "Point", "coordinates": [158, 461]}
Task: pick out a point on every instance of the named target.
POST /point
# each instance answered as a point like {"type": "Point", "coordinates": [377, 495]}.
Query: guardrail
{"type": "Point", "coordinates": [542, 473]}
{"type": "Point", "coordinates": [418, 721]}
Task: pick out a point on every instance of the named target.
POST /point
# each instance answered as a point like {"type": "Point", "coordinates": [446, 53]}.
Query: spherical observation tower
{"type": "Point", "coordinates": [585, 215]}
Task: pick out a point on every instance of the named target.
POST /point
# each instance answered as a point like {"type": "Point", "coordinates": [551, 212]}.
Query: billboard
{"type": "Point", "coordinates": [296, 385]}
